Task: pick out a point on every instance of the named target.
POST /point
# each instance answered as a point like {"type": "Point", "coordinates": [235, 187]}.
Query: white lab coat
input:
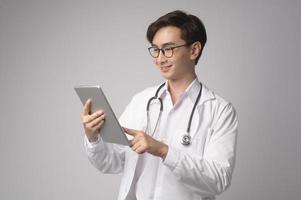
{"type": "Point", "coordinates": [205, 167]}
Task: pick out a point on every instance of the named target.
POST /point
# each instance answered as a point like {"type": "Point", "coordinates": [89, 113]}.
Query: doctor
{"type": "Point", "coordinates": [186, 151]}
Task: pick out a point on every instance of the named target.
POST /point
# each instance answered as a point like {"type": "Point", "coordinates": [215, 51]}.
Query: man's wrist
{"type": "Point", "coordinates": [163, 151]}
{"type": "Point", "coordinates": [93, 139]}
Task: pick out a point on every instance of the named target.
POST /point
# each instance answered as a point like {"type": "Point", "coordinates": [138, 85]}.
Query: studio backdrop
{"type": "Point", "coordinates": [252, 59]}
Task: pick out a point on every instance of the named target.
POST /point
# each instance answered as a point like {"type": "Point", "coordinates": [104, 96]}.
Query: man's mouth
{"type": "Point", "coordinates": [165, 68]}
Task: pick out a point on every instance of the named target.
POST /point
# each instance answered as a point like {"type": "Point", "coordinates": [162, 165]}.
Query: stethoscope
{"type": "Point", "coordinates": [186, 139]}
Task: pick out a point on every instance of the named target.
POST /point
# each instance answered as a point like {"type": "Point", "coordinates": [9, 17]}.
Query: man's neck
{"type": "Point", "coordinates": [177, 87]}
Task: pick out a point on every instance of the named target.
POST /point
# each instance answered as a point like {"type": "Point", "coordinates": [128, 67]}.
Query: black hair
{"type": "Point", "coordinates": [192, 28]}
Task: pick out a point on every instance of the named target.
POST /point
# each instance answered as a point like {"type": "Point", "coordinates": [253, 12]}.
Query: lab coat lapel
{"type": "Point", "coordinates": [207, 95]}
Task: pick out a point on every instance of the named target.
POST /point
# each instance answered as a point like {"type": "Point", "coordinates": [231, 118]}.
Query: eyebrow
{"type": "Point", "coordinates": [165, 44]}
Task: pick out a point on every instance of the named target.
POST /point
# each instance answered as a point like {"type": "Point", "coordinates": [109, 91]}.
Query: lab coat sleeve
{"type": "Point", "coordinates": [211, 173]}
{"type": "Point", "coordinates": [106, 157]}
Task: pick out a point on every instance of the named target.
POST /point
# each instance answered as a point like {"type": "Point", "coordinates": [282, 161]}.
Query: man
{"type": "Point", "coordinates": [188, 150]}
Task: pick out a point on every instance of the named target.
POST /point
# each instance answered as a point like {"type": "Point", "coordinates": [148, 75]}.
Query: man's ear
{"type": "Point", "coordinates": [195, 50]}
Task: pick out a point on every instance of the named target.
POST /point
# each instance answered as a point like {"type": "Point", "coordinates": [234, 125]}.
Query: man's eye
{"type": "Point", "coordinates": [155, 49]}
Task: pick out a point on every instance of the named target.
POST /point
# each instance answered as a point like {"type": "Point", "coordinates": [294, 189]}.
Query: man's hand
{"type": "Point", "coordinates": [92, 122]}
{"type": "Point", "coordinates": [144, 143]}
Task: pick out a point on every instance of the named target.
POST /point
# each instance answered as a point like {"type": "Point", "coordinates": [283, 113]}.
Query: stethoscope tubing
{"type": "Point", "coordinates": [186, 140]}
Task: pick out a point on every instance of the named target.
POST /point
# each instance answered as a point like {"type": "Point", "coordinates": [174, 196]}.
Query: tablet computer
{"type": "Point", "coordinates": [111, 131]}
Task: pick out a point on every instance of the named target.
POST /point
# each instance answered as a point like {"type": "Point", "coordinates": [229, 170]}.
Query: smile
{"type": "Point", "coordinates": [165, 68]}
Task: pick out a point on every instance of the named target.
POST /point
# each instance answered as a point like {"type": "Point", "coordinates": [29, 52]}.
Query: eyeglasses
{"type": "Point", "coordinates": [167, 51]}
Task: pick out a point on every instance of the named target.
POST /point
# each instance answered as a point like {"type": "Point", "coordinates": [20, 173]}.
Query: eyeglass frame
{"type": "Point", "coordinates": [163, 51]}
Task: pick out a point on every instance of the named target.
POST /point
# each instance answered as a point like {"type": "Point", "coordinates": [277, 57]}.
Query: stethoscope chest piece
{"type": "Point", "coordinates": [186, 140]}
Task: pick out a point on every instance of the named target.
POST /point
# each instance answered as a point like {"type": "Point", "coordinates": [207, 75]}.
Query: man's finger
{"type": "Point", "coordinates": [97, 121]}
{"type": "Point", "coordinates": [97, 114]}
{"type": "Point", "coordinates": [131, 132]}
{"type": "Point", "coordinates": [134, 141]}
{"type": "Point", "coordinates": [98, 126]}
{"type": "Point", "coordinates": [87, 107]}
{"type": "Point", "coordinates": [138, 148]}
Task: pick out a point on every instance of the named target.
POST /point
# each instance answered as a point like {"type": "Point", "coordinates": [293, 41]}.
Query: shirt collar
{"type": "Point", "coordinates": [192, 91]}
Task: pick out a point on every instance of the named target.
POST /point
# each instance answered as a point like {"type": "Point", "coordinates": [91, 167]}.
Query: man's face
{"type": "Point", "coordinates": [180, 65]}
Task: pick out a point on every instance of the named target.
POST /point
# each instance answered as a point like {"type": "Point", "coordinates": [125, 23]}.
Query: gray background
{"type": "Point", "coordinates": [252, 58]}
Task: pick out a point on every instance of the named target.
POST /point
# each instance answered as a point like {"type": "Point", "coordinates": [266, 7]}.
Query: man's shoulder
{"type": "Point", "coordinates": [216, 100]}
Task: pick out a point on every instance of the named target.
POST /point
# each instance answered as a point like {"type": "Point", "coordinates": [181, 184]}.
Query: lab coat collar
{"type": "Point", "coordinates": [207, 95]}
{"type": "Point", "coordinates": [192, 91]}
